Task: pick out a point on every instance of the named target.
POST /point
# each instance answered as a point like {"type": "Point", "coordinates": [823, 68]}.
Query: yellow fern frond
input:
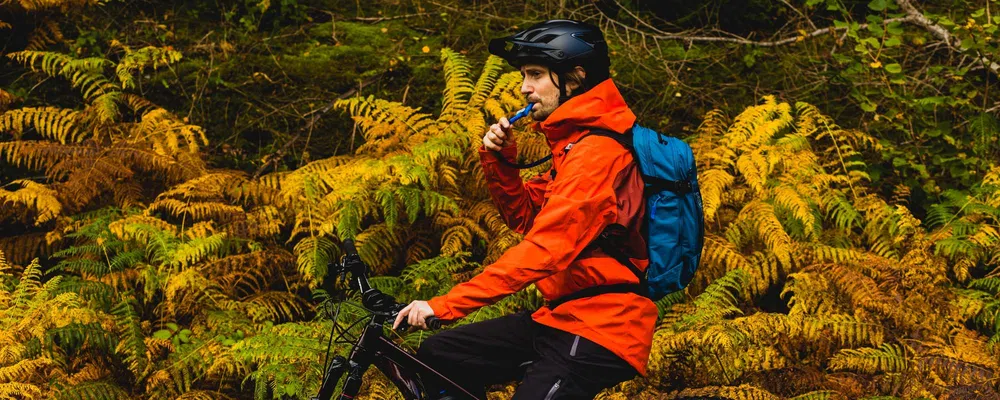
{"type": "Point", "coordinates": [15, 390]}
{"type": "Point", "coordinates": [167, 134]}
{"type": "Point", "coordinates": [742, 392]}
{"type": "Point", "coordinates": [53, 123]}
{"type": "Point", "coordinates": [489, 79]}
{"type": "Point", "coordinates": [190, 253]}
{"type": "Point", "coordinates": [754, 169]}
{"type": "Point", "coordinates": [42, 199]}
{"type": "Point", "coordinates": [458, 85]}
{"type": "Point", "coordinates": [790, 198]}
{"type": "Point", "coordinates": [23, 369]}
{"type": "Point", "coordinates": [713, 183]}
{"type": "Point", "coordinates": [769, 230]}
{"type": "Point", "coordinates": [196, 210]}
{"type": "Point", "coordinates": [891, 358]}
{"type": "Point", "coordinates": [134, 227]}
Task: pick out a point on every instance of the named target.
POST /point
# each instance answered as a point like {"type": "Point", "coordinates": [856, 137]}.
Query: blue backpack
{"type": "Point", "coordinates": [674, 226]}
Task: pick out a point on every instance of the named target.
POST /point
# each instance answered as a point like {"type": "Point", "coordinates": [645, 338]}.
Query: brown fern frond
{"type": "Point", "coordinates": [203, 395]}
{"type": "Point", "coordinates": [864, 292]}
{"type": "Point", "coordinates": [250, 272]}
{"type": "Point", "coordinates": [23, 248]}
{"type": "Point", "coordinates": [6, 99]}
{"type": "Point", "coordinates": [46, 33]}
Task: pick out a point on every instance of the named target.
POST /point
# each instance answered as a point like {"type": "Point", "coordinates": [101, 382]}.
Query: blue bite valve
{"type": "Point", "coordinates": [521, 114]}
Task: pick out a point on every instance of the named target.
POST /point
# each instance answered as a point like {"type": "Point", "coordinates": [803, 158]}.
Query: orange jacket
{"type": "Point", "coordinates": [596, 184]}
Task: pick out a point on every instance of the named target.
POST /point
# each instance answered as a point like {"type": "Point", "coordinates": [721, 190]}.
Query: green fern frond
{"type": "Point", "coordinates": [821, 395]}
{"type": "Point", "coordinates": [132, 345]}
{"type": "Point", "coordinates": [93, 390]}
{"type": "Point", "coordinates": [717, 301]}
{"type": "Point", "coordinates": [273, 306]}
{"type": "Point", "coordinates": [313, 255]}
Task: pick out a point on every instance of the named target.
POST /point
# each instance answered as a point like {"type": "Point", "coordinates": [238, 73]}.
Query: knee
{"type": "Point", "coordinates": [432, 348]}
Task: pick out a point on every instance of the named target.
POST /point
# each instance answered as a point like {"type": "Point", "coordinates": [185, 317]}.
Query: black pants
{"type": "Point", "coordinates": [551, 363]}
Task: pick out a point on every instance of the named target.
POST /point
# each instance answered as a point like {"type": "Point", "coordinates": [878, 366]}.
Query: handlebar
{"type": "Point", "coordinates": [373, 298]}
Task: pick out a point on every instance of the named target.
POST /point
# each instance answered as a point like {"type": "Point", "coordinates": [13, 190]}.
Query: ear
{"type": "Point", "coordinates": [573, 84]}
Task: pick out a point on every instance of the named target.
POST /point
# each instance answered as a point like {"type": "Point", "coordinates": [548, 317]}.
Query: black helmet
{"type": "Point", "coordinates": [559, 44]}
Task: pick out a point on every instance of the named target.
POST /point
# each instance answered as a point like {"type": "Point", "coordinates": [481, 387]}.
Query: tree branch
{"type": "Point", "coordinates": [914, 15]}
{"type": "Point", "coordinates": [738, 40]}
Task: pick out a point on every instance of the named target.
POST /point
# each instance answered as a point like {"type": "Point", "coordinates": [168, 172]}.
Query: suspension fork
{"type": "Point", "coordinates": [355, 366]}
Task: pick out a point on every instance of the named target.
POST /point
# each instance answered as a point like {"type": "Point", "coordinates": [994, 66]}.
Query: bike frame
{"type": "Point", "coordinates": [373, 348]}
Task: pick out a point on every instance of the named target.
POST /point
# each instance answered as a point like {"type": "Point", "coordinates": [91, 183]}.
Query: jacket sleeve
{"type": "Point", "coordinates": [517, 201]}
{"type": "Point", "coordinates": [581, 204]}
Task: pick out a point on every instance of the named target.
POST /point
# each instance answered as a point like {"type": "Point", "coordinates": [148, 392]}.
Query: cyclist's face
{"type": "Point", "coordinates": [539, 87]}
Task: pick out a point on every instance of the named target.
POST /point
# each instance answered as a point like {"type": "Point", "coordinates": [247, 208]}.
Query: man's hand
{"type": "Point", "coordinates": [499, 135]}
{"type": "Point", "coordinates": [415, 314]}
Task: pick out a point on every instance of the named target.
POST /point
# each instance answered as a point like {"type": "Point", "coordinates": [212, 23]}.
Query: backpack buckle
{"type": "Point", "coordinates": [684, 187]}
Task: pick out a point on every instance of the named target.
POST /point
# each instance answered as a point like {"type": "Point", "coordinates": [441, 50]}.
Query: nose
{"type": "Point", "coordinates": [526, 89]}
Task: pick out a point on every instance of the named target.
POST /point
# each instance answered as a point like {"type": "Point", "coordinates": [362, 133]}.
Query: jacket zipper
{"type": "Point", "coordinates": [552, 392]}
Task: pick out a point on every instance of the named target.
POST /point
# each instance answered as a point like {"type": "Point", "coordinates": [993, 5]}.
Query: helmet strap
{"type": "Point", "coordinates": [561, 84]}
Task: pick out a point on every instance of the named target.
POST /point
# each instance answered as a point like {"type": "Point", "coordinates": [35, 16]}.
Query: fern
{"type": "Point", "coordinates": [132, 346]}
{"type": "Point", "coordinates": [94, 390]}
{"type": "Point", "coordinates": [888, 358]}
{"type": "Point", "coordinates": [742, 392]}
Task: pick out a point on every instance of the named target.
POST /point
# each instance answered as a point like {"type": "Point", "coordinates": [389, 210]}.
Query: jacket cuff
{"type": "Point", "coordinates": [440, 309]}
{"type": "Point", "coordinates": [490, 156]}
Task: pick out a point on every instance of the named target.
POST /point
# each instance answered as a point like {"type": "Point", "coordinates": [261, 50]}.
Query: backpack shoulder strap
{"type": "Point", "coordinates": [624, 139]}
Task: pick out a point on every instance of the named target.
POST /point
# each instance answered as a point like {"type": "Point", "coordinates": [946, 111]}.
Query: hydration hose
{"type": "Point", "coordinates": [521, 114]}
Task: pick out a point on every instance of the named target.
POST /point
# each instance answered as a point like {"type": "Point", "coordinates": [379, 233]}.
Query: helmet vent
{"type": "Point", "coordinates": [546, 38]}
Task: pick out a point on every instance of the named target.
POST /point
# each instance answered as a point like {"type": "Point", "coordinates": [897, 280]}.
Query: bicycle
{"type": "Point", "coordinates": [405, 371]}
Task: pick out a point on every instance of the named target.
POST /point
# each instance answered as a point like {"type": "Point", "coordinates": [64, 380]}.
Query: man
{"type": "Point", "coordinates": [576, 348]}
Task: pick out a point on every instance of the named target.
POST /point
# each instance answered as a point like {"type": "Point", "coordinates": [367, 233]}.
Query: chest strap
{"type": "Point", "coordinates": [610, 241]}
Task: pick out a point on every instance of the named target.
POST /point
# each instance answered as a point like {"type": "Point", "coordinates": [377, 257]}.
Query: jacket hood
{"type": "Point", "coordinates": [601, 107]}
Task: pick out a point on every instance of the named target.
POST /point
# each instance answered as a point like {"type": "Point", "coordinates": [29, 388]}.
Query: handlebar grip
{"type": "Point", "coordinates": [433, 322]}
{"type": "Point", "coordinates": [348, 247]}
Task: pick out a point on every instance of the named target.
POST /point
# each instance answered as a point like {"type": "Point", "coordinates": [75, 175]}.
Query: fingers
{"type": "Point", "coordinates": [402, 314]}
{"type": "Point", "coordinates": [497, 136]}
{"type": "Point", "coordinates": [417, 320]}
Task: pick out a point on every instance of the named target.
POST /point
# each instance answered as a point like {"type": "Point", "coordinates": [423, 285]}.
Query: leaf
{"type": "Point", "coordinates": [878, 5]}
{"type": "Point", "coordinates": [162, 334]}
{"type": "Point", "coordinates": [894, 67]}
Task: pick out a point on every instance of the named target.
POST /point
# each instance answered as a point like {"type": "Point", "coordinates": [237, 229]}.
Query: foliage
{"type": "Point", "coordinates": [149, 271]}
